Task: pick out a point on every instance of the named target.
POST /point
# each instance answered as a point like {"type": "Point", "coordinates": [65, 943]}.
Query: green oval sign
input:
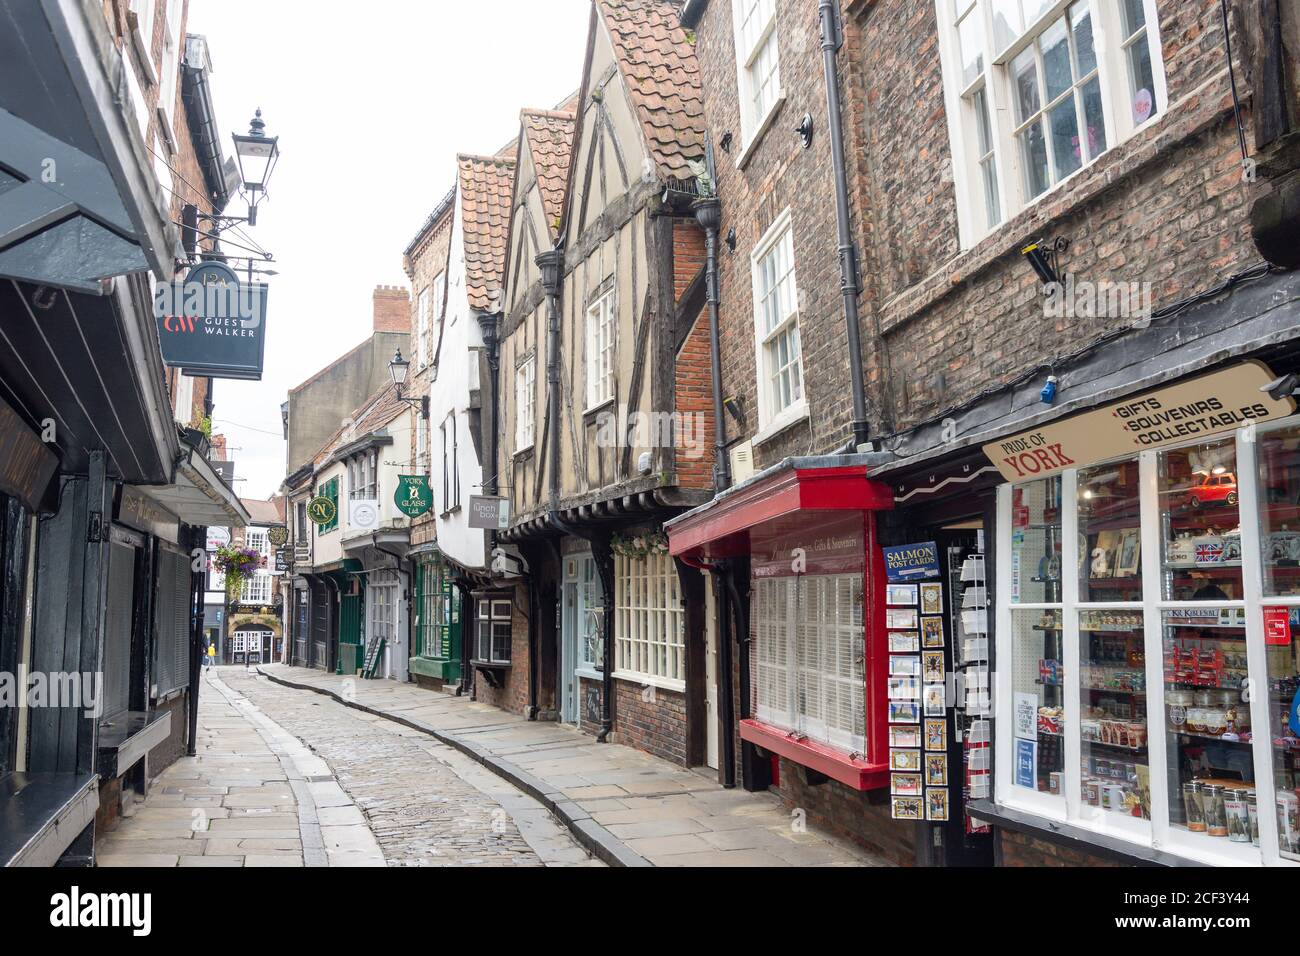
{"type": "Point", "coordinates": [414, 497]}
{"type": "Point", "coordinates": [322, 510]}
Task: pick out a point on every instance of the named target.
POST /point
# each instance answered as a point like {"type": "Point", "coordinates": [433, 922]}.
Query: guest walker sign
{"type": "Point", "coordinates": [212, 325]}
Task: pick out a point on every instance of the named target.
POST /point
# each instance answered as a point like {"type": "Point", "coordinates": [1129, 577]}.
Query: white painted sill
{"type": "Point", "coordinates": [796, 413]}
{"type": "Point", "coordinates": [760, 131]}
{"type": "Point", "coordinates": [588, 674]}
{"type": "Point", "coordinates": [646, 680]}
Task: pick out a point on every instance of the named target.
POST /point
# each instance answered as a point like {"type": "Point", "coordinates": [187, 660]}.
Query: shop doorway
{"type": "Point", "coordinates": [579, 632]}
{"type": "Point", "coordinates": [961, 545]}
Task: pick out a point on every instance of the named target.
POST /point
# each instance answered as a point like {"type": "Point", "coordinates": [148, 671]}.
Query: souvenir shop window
{"type": "Point", "coordinates": [1200, 523]}
{"type": "Point", "coordinates": [1279, 505]}
{"type": "Point", "coordinates": [1115, 772]}
{"type": "Point", "coordinates": [1036, 542]}
{"type": "Point", "coordinates": [1038, 686]}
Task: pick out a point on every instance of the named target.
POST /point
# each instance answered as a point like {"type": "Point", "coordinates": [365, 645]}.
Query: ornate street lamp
{"type": "Point", "coordinates": [399, 368]}
{"type": "Point", "coordinates": [257, 154]}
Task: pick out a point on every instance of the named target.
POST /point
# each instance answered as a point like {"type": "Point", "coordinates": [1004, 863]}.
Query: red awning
{"type": "Point", "coordinates": [720, 528]}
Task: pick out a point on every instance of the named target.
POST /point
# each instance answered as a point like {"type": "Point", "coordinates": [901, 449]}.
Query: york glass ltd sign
{"type": "Point", "coordinates": [1199, 407]}
{"type": "Point", "coordinates": [211, 324]}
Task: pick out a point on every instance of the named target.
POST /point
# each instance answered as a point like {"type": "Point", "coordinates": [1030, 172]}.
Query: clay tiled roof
{"type": "Point", "coordinates": [486, 183]}
{"type": "Point", "coordinates": [376, 412]}
{"type": "Point", "coordinates": [663, 76]}
{"type": "Point", "coordinates": [550, 142]}
{"type": "Point", "coordinates": [261, 512]}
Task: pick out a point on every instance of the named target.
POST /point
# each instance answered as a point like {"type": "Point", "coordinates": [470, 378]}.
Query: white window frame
{"type": "Point", "coordinates": [996, 82]}
{"type": "Point", "coordinates": [772, 420]}
{"type": "Point", "coordinates": [757, 48]}
{"type": "Point", "coordinates": [168, 81]}
{"type": "Point", "coordinates": [1067, 807]}
{"type": "Point", "coordinates": [601, 342]}
{"type": "Point", "coordinates": [422, 329]}
{"type": "Point", "coordinates": [649, 622]}
{"type": "Point", "coordinates": [258, 540]}
{"type": "Point", "coordinates": [587, 616]}
{"type": "Point", "coordinates": [450, 464]}
{"type": "Point", "coordinates": [783, 636]}
{"type": "Point", "coordinates": [255, 588]}
{"type": "Point", "coordinates": [495, 613]}
{"type": "Point", "coordinates": [145, 13]}
{"type": "Point", "coordinates": [421, 444]}
{"type": "Point", "coordinates": [525, 403]}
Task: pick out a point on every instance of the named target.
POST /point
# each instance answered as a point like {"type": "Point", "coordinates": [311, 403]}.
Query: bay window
{"type": "Point", "coordinates": [493, 640]}
{"type": "Point", "coordinates": [649, 621]}
{"type": "Point", "coordinates": [1148, 679]}
{"type": "Point", "coordinates": [1038, 89]}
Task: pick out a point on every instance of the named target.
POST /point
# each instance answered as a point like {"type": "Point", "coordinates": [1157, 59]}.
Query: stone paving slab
{"type": "Point", "coordinates": [629, 807]}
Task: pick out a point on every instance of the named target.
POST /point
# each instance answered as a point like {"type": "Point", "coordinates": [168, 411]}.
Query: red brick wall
{"type": "Point", "coordinates": [688, 255]}
{"type": "Point", "coordinates": [513, 694]}
{"type": "Point", "coordinates": [392, 309]}
{"type": "Point", "coordinates": [850, 814]}
{"type": "Point", "coordinates": [650, 719]}
{"type": "Point", "coordinates": [694, 404]}
{"type": "Point", "coordinates": [1020, 849]}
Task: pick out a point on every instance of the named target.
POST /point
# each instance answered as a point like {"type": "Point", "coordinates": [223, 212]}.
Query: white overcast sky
{"type": "Point", "coordinates": [372, 101]}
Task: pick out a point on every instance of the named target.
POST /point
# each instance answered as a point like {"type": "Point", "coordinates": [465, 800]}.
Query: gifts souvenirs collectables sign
{"type": "Point", "coordinates": [1206, 405]}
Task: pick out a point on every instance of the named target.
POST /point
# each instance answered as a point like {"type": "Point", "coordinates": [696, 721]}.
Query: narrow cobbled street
{"type": "Point", "coordinates": [290, 778]}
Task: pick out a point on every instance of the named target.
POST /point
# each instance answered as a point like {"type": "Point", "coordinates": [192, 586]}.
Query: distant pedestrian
{"type": "Point", "coordinates": [212, 654]}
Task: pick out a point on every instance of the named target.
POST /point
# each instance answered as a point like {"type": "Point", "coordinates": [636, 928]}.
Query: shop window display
{"type": "Point", "coordinates": [1279, 504]}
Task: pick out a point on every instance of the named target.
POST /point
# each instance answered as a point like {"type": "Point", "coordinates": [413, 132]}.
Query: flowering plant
{"type": "Point", "coordinates": [237, 563]}
{"type": "Point", "coordinates": [640, 546]}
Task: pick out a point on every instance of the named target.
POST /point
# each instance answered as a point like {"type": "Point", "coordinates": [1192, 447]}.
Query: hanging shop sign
{"type": "Point", "coordinates": [278, 535]}
{"type": "Point", "coordinates": [282, 563]}
{"type": "Point", "coordinates": [218, 538]}
{"type": "Point", "coordinates": [912, 562]}
{"type": "Point", "coordinates": [1203, 406]}
{"type": "Point", "coordinates": [211, 324]}
{"type": "Point", "coordinates": [322, 510]}
{"type": "Point", "coordinates": [413, 496]}
{"type": "Point", "coordinates": [26, 464]}
{"type": "Point", "coordinates": [488, 513]}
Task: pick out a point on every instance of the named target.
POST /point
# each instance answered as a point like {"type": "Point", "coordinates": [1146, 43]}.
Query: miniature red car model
{"type": "Point", "coordinates": [1214, 489]}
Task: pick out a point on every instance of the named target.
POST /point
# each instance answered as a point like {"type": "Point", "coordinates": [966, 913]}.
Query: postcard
{"type": "Point", "coordinates": [901, 594]}
{"type": "Point", "coordinates": [932, 598]}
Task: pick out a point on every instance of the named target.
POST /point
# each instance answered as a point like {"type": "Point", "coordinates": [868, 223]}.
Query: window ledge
{"type": "Point", "coordinates": [646, 680]}
{"type": "Point", "coordinates": [591, 414]}
{"type": "Point", "coordinates": [1073, 837]}
{"type": "Point", "coordinates": [849, 770]}
{"type": "Point", "coordinates": [787, 419]}
{"type": "Point", "coordinates": [588, 673]}
{"type": "Point", "coordinates": [760, 131]}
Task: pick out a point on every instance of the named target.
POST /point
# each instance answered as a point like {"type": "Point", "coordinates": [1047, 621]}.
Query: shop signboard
{"type": "Point", "coordinates": [489, 513]}
{"type": "Point", "coordinates": [26, 464]}
{"type": "Point", "coordinates": [212, 325]}
{"type": "Point", "coordinates": [218, 538]}
{"type": "Point", "coordinates": [322, 510]}
{"type": "Point", "coordinates": [278, 535]}
{"type": "Point", "coordinates": [1200, 407]}
{"type": "Point", "coordinates": [807, 544]}
{"type": "Point", "coordinates": [413, 496]}
{"type": "Point", "coordinates": [1277, 626]}
{"type": "Point", "coordinates": [912, 562]}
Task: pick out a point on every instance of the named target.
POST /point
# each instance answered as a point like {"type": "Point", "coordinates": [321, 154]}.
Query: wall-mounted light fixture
{"type": "Point", "coordinates": [805, 130]}
{"type": "Point", "coordinates": [735, 406]}
{"type": "Point", "coordinates": [1041, 254]}
{"type": "Point", "coordinates": [398, 369]}
{"type": "Point", "coordinates": [725, 142]}
{"type": "Point", "coordinates": [731, 239]}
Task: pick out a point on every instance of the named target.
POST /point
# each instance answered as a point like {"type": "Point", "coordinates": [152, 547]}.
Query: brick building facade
{"type": "Point", "coordinates": [1143, 174]}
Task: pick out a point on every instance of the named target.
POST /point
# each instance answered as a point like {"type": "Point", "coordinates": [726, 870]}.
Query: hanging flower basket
{"type": "Point", "coordinates": [639, 546]}
{"type": "Point", "coordinates": [236, 564]}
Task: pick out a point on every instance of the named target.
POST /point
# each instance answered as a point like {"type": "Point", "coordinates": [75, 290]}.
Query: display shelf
{"type": "Point", "coordinates": [1124, 747]}
{"type": "Point", "coordinates": [1116, 690]}
{"type": "Point", "coordinates": [1241, 739]}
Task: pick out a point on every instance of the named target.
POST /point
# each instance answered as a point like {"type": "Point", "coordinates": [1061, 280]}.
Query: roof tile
{"type": "Point", "coordinates": [550, 141]}
{"type": "Point", "coordinates": [486, 183]}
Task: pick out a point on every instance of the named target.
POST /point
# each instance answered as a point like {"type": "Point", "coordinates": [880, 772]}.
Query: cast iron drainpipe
{"type": "Point", "coordinates": [829, 15]}
{"type": "Point", "coordinates": [551, 265]}
{"type": "Point", "coordinates": [708, 213]}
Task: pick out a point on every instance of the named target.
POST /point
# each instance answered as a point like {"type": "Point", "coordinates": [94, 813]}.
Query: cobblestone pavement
{"type": "Point", "coordinates": [426, 804]}
{"type": "Point", "coordinates": [629, 803]}
{"type": "Point", "coordinates": [287, 778]}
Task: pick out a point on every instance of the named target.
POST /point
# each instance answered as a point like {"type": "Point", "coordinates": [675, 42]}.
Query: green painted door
{"type": "Point", "coordinates": [351, 629]}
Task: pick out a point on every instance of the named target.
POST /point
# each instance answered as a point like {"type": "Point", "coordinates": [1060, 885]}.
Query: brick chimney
{"type": "Point", "coordinates": [392, 309]}
{"type": "Point", "coordinates": [218, 445]}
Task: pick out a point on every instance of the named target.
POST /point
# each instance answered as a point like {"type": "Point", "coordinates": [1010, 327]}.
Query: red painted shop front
{"type": "Point", "coordinates": [818, 655]}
